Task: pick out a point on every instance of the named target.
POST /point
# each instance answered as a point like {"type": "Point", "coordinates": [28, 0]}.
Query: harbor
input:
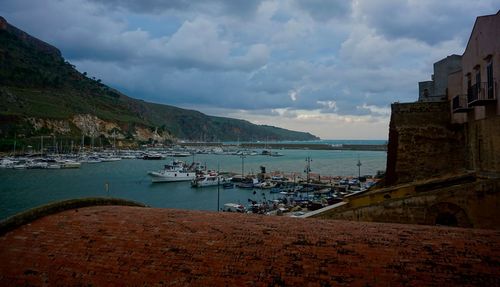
{"type": "Point", "coordinates": [124, 173]}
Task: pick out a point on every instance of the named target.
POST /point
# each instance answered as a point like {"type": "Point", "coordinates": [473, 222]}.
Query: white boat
{"type": "Point", "coordinates": [36, 164]}
{"type": "Point", "coordinates": [175, 171]}
{"type": "Point", "coordinates": [181, 154]}
{"type": "Point", "coordinates": [7, 163]}
{"type": "Point", "coordinates": [208, 179]}
{"type": "Point", "coordinates": [110, 158]}
{"type": "Point", "coordinates": [128, 156]}
{"type": "Point", "coordinates": [68, 163]}
{"type": "Point", "coordinates": [153, 156]}
{"type": "Point", "coordinates": [91, 159]}
{"type": "Point", "coordinates": [265, 185]}
{"type": "Point", "coordinates": [234, 207]}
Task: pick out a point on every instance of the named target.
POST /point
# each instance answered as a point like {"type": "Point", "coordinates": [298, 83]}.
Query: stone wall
{"type": "Point", "coordinates": [423, 143]}
{"type": "Point", "coordinates": [483, 144]}
{"type": "Point", "coordinates": [464, 205]}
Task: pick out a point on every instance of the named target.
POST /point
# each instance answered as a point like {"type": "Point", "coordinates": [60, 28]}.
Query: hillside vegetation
{"type": "Point", "coordinates": [37, 83]}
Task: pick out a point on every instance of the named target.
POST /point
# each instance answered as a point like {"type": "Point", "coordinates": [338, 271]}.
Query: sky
{"type": "Point", "coordinates": [328, 67]}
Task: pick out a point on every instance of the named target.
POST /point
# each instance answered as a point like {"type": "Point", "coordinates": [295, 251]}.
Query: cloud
{"type": "Point", "coordinates": [308, 65]}
{"type": "Point", "coordinates": [323, 10]}
{"type": "Point", "coordinates": [424, 20]}
{"type": "Point", "coordinates": [233, 7]}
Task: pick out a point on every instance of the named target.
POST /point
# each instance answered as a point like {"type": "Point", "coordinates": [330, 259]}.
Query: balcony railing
{"type": "Point", "coordinates": [459, 104]}
{"type": "Point", "coordinates": [481, 94]}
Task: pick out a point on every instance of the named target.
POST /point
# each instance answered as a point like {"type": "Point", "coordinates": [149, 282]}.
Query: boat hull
{"type": "Point", "coordinates": [171, 177]}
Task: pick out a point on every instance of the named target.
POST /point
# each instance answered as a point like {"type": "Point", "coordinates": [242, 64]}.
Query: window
{"type": "Point", "coordinates": [489, 79]}
{"type": "Point", "coordinates": [469, 88]}
{"type": "Point", "coordinates": [477, 86]}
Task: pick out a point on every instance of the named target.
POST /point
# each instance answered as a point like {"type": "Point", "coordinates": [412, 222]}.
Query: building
{"type": "Point", "coordinates": [465, 137]}
{"type": "Point", "coordinates": [474, 95]}
{"type": "Point", "coordinates": [436, 90]}
{"type": "Point", "coordinates": [443, 160]}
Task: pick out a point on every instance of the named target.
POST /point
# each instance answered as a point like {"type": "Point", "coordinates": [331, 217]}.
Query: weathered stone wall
{"type": "Point", "coordinates": [466, 205]}
{"type": "Point", "coordinates": [423, 143]}
{"type": "Point", "coordinates": [483, 144]}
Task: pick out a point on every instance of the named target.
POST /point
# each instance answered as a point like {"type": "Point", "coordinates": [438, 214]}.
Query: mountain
{"type": "Point", "coordinates": [41, 94]}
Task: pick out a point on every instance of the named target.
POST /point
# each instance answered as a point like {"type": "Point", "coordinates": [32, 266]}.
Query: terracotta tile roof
{"type": "Point", "coordinates": [146, 246]}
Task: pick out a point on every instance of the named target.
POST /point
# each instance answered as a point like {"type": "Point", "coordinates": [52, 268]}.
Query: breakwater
{"type": "Point", "coordinates": [302, 146]}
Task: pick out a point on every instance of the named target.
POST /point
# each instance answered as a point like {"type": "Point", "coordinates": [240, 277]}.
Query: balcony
{"type": "Point", "coordinates": [481, 94]}
{"type": "Point", "coordinates": [459, 104]}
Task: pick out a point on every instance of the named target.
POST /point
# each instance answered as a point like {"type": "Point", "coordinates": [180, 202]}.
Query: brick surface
{"type": "Point", "coordinates": [111, 245]}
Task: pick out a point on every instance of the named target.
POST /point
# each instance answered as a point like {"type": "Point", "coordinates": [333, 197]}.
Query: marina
{"type": "Point", "coordinates": [124, 174]}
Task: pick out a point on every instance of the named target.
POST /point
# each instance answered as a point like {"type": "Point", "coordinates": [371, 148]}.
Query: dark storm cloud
{"type": "Point", "coordinates": [426, 20]}
{"type": "Point", "coordinates": [233, 7]}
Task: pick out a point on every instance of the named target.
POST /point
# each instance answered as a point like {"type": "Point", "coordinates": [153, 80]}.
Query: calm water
{"type": "Point", "coordinates": [24, 189]}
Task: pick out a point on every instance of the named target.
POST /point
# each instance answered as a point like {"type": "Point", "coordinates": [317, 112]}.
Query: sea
{"type": "Point", "coordinates": [21, 190]}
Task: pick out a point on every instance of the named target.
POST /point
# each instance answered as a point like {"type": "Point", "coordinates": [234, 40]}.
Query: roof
{"type": "Point", "coordinates": [124, 245]}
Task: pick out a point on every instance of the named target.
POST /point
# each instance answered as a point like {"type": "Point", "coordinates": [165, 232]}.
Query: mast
{"type": "Point", "coordinates": [218, 185]}
{"type": "Point", "coordinates": [308, 167]}
{"type": "Point", "coordinates": [15, 136]}
{"type": "Point", "coordinates": [242, 165]}
{"type": "Point", "coordinates": [359, 167]}
{"type": "Point", "coordinates": [81, 146]}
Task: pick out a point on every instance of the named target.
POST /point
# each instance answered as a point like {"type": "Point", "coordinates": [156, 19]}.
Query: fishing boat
{"type": "Point", "coordinates": [208, 179]}
{"type": "Point", "coordinates": [175, 171]}
{"type": "Point", "coordinates": [248, 183]}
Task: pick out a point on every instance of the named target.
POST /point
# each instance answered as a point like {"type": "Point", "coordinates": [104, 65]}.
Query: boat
{"type": "Point", "coordinates": [275, 154]}
{"type": "Point", "coordinates": [91, 159]}
{"type": "Point", "coordinates": [36, 164]}
{"type": "Point", "coordinates": [248, 183]}
{"type": "Point", "coordinates": [228, 185]}
{"type": "Point", "coordinates": [176, 171]}
{"type": "Point", "coordinates": [181, 154]}
{"type": "Point", "coordinates": [234, 207]}
{"type": "Point", "coordinates": [208, 179]}
{"type": "Point", "coordinates": [7, 163]}
{"type": "Point", "coordinates": [110, 158]}
{"type": "Point", "coordinates": [68, 163]}
{"type": "Point", "coordinates": [276, 190]}
{"type": "Point", "coordinates": [153, 156]}
{"type": "Point", "coordinates": [265, 185]}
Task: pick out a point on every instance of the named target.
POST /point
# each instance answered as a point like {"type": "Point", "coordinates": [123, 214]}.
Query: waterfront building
{"type": "Point", "coordinates": [443, 160]}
